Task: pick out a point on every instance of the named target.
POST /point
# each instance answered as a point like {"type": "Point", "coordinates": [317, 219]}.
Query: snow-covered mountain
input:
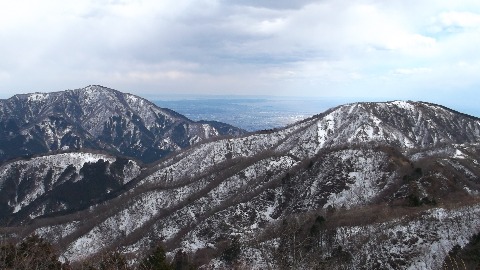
{"type": "Point", "coordinates": [362, 186]}
{"type": "Point", "coordinates": [96, 117]}
{"type": "Point", "coordinates": [61, 183]}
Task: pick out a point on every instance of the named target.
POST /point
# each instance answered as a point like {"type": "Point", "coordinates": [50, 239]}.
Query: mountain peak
{"type": "Point", "coordinates": [97, 90]}
{"type": "Point", "coordinates": [98, 87]}
{"type": "Point", "coordinates": [100, 118]}
{"type": "Point", "coordinates": [407, 124]}
{"type": "Point", "coordinates": [318, 188]}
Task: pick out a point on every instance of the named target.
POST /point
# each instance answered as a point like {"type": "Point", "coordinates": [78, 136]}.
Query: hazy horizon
{"type": "Point", "coordinates": [467, 107]}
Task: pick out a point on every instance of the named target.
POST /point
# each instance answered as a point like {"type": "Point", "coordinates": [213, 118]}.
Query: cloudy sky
{"type": "Point", "coordinates": [365, 49]}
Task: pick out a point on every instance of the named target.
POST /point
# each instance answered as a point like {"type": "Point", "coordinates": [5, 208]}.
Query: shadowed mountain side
{"type": "Point", "coordinates": [96, 117]}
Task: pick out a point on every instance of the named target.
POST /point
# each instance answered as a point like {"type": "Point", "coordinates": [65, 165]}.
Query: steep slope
{"type": "Point", "coordinates": [98, 118]}
{"type": "Point", "coordinates": [398, 123]}
{"type": "Point", "coordinates": [59, 184]}
{"type": "Point", "coordinates": [401, 171]}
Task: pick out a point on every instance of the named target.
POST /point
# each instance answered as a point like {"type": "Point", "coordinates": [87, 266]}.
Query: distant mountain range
{"type": "Point", "coordinates": [97, 117]}
{"type": "Point", "coordinates": [389, 185]}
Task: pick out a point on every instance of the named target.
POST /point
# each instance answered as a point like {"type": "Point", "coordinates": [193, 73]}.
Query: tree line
{"type": "Point", "coordinates": [35, 252]}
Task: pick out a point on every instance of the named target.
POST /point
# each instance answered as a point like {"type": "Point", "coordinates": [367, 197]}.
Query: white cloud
{"type": "Point", "coordinates": [459, 19]}
{"type": "Point", "coordinates": [368, 48]}
{"type": "Point", "coordinates": [4, 75]}
{"type": "Point", "coordinates": [411, 71]}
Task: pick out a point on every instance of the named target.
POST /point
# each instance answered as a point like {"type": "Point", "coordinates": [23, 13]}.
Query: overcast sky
{"type": "Point", "coordinates": [395, 49]}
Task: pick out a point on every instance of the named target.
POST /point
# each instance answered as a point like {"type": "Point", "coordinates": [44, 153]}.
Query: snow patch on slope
{"type": "Point", "coordinates": [37, 97]}
{"type": "Point", "coordinates": [366, 179]}
{"type": "Point", "coordinates": [404, 105]}
{"type": "Point", "coordinates": [421, 243]}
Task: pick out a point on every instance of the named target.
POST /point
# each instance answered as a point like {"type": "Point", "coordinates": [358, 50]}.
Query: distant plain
{"type": "Point", "coordinates": [250, 114]}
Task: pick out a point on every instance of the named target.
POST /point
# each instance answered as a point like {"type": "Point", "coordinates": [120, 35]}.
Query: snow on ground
{"type": "Point", "coordinates": [37, 97]}
{"type": "Point", "coordinates": [55, 232]}
{"type": "Point", "coordinates": [40, 168]}
{"type": "Point", "coordinates": [365, 176]}
{"type": "Point", "coordinates": [421, 243]}
{"type": "Point", "coordinates": [459, 154]}
{"type": "Point", "coordinates": [404, 105]}
{"type": "Point", "coordinates": [326, 127]}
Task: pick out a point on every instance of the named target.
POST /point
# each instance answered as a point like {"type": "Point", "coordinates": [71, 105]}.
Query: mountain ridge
{"type": "Point", "coordinates": [99, 118]}
{"type": "Point", "coordinates": [273, 188]}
